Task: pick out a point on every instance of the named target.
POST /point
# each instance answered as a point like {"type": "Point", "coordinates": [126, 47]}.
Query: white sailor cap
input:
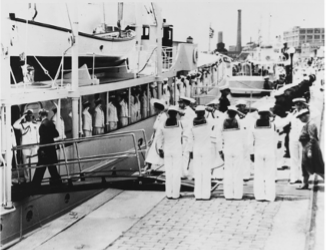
{"type": "Point", "coordinates": [43, 111]}
{"type": "Point", "coordinates": [215, 101]}
{"type": "Point", "coordinates": [232, 108]}
{"type": "Point", "coordinates": [301, 99]}
{"type": "Point", "coordinates": [165, 79]}
{"type": "Point", "coordinates": [200, 108]}
{"type": "Point", "coordinates": [182, 76]}
{"type": "Point", "coordinates": [302, 112]}
{"type": "Point", "coordinates": [241, 102]}
{"type": "Point", "coordinates": [173, 108]}
{"type": "Point", "coordinates": [183, 98]}
{"type": "Point", "coordinates": [28, 112]}
{"type": "Point", "coordinates": [266, 77]}
{"type": "Point", "coordinates": [161, 102]}
{"type": "Point", "coordinates": [226, 86]}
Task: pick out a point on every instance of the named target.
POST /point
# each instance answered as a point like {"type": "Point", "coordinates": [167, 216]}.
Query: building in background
{"type": "Point", "coordinates": [297, 36]}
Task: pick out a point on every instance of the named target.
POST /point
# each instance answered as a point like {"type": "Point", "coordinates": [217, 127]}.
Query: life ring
{"type": "Point", "coordinates": [195, 55]}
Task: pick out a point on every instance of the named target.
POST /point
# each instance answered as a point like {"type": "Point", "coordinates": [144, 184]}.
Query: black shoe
{"type": "Point", "coordinates": [296, 182]}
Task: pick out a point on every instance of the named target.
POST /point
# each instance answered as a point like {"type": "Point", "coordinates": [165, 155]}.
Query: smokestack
{"type": "Point", "coordinates": [239, 32]}
{"type": "Point", "coordinates": [220, 37]}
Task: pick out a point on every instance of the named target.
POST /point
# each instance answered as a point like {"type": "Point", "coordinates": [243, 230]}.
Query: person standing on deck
{"type": "Point", "coordinates": [224, 101]}
{"type": "Point", "coordinates": [152, 156]}
{"type": "Point", "coordinates": [233, 151]}
{"type": "Point", "coordinates": [312, 159]}
{"type": "Point", "coordinates": [47, 155]}
{"type": "Point", "coordinates": [187, 117]}
{"type": "Point", "coordinates": [87, 120]}
{"type": "Point", "coordinates": [59, 124]}
{"type": "Point", "coordinates": [265, 139]}
{"type": "Point", "coordinates": [98, 118]}
{"type": "Point", "coordinates": [170, 149]}
{"type": "Point", "coordinates": [113, 115]}
{"type": "Point", "coordinates": [201, 151]}
{"type": "Point", "coordinates": [29, 132]}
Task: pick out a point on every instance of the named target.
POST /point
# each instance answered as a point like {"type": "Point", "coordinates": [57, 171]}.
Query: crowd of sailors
{"type": "Point", "coordinates": [224, 141]}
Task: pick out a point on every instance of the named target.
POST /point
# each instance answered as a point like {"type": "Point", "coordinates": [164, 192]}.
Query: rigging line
{"type": "Point", "coordinates": [154, 13]}
{"type": "Point", "coordinates": [72, 32]}
{"type": "Point", "coordinates": [147, 61]}
{"type": "Point", "coordinates": [44, 69]}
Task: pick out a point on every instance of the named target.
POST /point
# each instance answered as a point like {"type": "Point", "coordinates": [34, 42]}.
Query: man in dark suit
{"type": "Point", "coordinates": [47, 155]}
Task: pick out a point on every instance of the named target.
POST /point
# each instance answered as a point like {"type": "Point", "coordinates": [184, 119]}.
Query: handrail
{"type": "Point", "coordinates": [78, 160]}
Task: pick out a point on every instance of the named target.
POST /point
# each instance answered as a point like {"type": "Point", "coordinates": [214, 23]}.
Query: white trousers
{"type": "Point", "coordinates": [218, 162]}
{"type": "Point", "coordinates": [233, 176]}
{"type": "Point", "coordinates": [113, 126]}
{"type": "Point", "coordinates": [185, 158]}
{"type": "Point", "coordinates": [264, 181]}
{"type": "Point", "coordinates": [124, 121]}
{"type": "Point", "coordinates": [296, 158]}
{"type": "Point", "coordinates": [246, 165]}
{"type": "Point", "coordinates": [172, 164]}
{"type": "Point", "coordinates": [202, 174]}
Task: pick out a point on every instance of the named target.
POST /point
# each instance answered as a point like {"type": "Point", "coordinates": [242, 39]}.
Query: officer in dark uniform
{"type": "Point", "coordinates": [47, 155]}
{"type": "Point", "coordinates": [224, 101]}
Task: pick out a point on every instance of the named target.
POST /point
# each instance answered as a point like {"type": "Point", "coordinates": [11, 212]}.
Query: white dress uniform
{"type": "Point", "coordinates": [295, 147]}
{"type": "Point", "coordinates": [29, 131]}
{"type": "Point", "coordinates": [187, 88]}
{"type": "Point", "coordinates": [99, 121]}
{"type": "Point", "coordinates": [152, 155]}
{"type": "Point", "coordinates": [60, 127]}
{"type": "Point", "coordinates": [233, 149]}
{"type": "Point", "coordinates": [144, 105]}
{"type": "Point", "coordinates": [187, 120]}
{"type": "Point", "coordinates": [182, 88]}
{"type": "Point", "coordinates": [199, 144]}
{"type": "Point", "coordinates": [265, 144]}
{"type": "Point", "coordinates": [138, 116]}
{"type": "Point", "coordinates": [169, 139]}
{"type": "Point", "coordinates": [216, 140]}
{"type": "Point", "coordinates": [87, 123]}
{"type": "Point", "coordinates": [166, 94]}
{"type": "Point", "coordinates": [133, 109]}
{"type": "Point", "coordinates": [113, 116]}
{"type": "Point", "coordinates": [123, 113]}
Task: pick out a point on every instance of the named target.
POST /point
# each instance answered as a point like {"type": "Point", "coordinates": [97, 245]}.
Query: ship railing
{"type": "Point", "coordinates": [70, 157]}
{"type": "Point", "coordinates": [205, 94]}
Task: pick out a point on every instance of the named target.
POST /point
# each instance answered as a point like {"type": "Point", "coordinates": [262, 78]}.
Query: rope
{"type": "Point", "coordinates": [44, 69]}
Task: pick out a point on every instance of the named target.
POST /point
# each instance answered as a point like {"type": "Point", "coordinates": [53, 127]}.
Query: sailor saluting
{"type": "Point", "coordinates": [152, 156]}
{"type": "Point", "coordinates": [29, 132]}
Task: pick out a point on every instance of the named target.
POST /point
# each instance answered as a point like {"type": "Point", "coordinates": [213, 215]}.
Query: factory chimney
{"type": "Point", "coordinates": [239, 32]}
{"type": "Point", "coordinates": [220, 37]}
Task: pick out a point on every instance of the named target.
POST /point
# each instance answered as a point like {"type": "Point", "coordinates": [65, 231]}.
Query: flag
{"type": "Point", "coordinates": [211, 32]}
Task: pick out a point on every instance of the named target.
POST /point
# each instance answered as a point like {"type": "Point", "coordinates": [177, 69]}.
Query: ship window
{"type": "Point", "coordinates": [317, 36]}
{"type": "Point", "coordinates": [309, 37]}
{"type": "Point", "coordinates": [302, 31]}
{"type": "Point", "coordinates": [29, 216]}
{"type": "Point", "coordinates": [310, 31]}
{"type": "Point", "coordinates": [145, 35]}
{"type": "Point", "coordinates": [302, 37]}
{"type": "Point", "coordinates": [170, 34]}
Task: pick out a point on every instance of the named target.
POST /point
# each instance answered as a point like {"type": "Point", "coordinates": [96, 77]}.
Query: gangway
{"type": "Point", "coordinates": [85, 163]}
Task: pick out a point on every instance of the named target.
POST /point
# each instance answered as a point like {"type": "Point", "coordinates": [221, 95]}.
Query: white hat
{"type": "Point", "coordinates": [183, 98]}
{"type": "Point", "coordinates": [233, 108]}
{"type": "Point", "coordinates": [165, 79]}
{"type": "Point", "coordinates": [302, 112]}
{"type": "Point", "coordinates": [215, 101]}
{"type": "Point", "coordinates": [299, 100]}
{"type": "Point", "coordinates": [30, 111]}
{"type": "Point", "coordinates": [173, 108]}
{"type": "Point", "coordinates": [200, 108]}
{"type": "Point", "coordinates": [241, 102]}
{"type": "Point", "coordinates": [154, 100]}
{"type": "Point", "coordinates": [266, 77]}
{"type": "Point", "coordinates": [226, 86]}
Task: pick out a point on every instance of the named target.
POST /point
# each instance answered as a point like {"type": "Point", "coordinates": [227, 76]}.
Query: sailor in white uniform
{"type": "Point", "coordinates": [265, 139]}
{"type": "Point", "coordinates": [233, 150]}
{"type": "Point", "coordinates": [87, 120]}
{"type": "Point", "coordinates": [170, 149]}
{"type": "Point", "coordinates": [246, 122]}
{"type": "Point", "coordinates": [113, 115]}
{"type": "Point", "coordinates": [187, 118]}
{"type": "Point", "coordinates": [144, 105]}
{"type": "Point", "coordinates": [30, 135]}
{"type": "Point", "coordinates": [98, 118]}
{"type": "Point", "coordinates": [124, 114]}
{"type": "Point", "coordinates": [216, 118]}
{"type": "Point", "coordinates": [152, 156]}
{"type": "Point", "coordinates": [187, 86]}
{"type": "Point", "coordinates": [60, 126]}
{"type": "Point", "coordinates": [201, 148]}
{"type": "Point", "coordinates": [166, 95]}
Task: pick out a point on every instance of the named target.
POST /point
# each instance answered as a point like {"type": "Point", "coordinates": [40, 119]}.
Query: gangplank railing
{"type": "Point", "coordinates": [78, 159]}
